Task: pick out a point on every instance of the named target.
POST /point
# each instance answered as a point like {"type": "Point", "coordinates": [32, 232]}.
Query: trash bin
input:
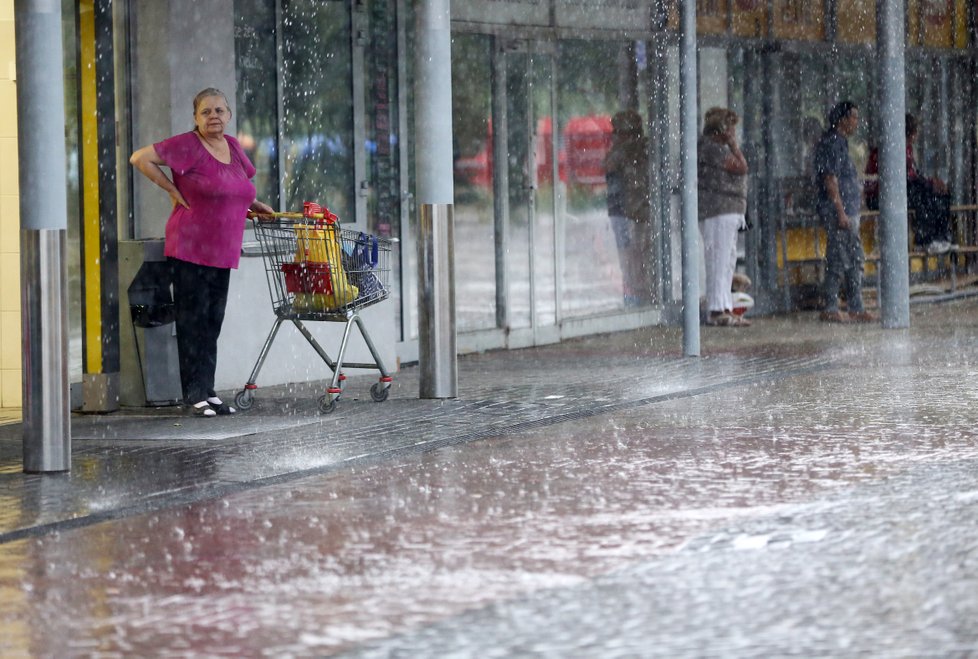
{"type": "Point", "coordinates": [152, 319]}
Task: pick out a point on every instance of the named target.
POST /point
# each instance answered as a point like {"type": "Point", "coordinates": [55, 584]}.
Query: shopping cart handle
{"type": "Point", "coordinates": [260, 217]}
{"type": "Point", "coordinates": [325, 217]}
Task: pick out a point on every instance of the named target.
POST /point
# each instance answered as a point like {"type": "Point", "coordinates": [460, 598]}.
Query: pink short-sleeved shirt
{"type": "Point", "coordinates": [210, 231]}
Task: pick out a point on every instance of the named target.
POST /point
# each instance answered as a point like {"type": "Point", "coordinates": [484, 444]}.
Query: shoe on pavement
{"type": "Point", "coordinates": [203, 409]}
{"type": "Point", "coordinates": [834, 317]}
{"type": "Point", "coordinates": [220, 407]}
{"type": "Point", "coordinates": [719, 319]}
{"type": "Point", "coordinates": [863, 317]}
{"type": "Point", "coordinates": [727, 320]}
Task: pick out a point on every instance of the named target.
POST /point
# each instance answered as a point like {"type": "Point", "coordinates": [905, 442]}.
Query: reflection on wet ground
{"type": "Point", "coordinates": [830, 511]}
{"type": "Point", "coordinates": [884, 570]}
{"type": "Point", "coordinates": [143, 460]}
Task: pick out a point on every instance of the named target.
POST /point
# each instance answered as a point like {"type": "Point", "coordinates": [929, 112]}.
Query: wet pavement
{"type": "Point", "coordinates": [801, 489]}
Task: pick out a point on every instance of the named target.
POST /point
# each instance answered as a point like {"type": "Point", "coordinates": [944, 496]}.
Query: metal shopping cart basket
{"type": "Point", "coordinates": [318, 271]}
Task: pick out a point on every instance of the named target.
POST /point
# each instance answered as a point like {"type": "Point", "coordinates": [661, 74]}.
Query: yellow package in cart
{"type": "Point", "coordinates": [321, 244]}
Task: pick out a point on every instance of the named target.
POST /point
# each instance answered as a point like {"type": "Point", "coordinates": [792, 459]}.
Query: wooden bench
{"type": "Point", "coordinates": [944, 262]}
{"type": "Point", "coordinates": [965, 256]}
{"type": "Point", "coordinates": [964, 219]}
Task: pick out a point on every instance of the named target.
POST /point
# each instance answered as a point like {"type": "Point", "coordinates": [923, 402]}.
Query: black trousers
{"type": "Point", "coordinates": [931, 212]}
{"type": "Point", "coordinates": [200, 296]}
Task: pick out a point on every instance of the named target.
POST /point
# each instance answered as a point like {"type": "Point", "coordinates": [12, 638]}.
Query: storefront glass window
{"type": "Point", "coordinates": [857, 83]}
{"type": "Point", "coordinates": [542, 243]}
{"type": "Point", "coordinates": [408, 262]}
{"type": "Point", "coordinates": [383, 147]}
{"type": "Point", "coordinates": [317, 105]}
{"type": "Point", "coordinates": [256, 101]}
{"type": "Point", "coordinates": [588, 96]}
{"type": "Point", "coordinates": [475, 264]}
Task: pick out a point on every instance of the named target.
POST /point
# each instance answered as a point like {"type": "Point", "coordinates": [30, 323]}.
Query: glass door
{"type": "Point", "coordinates": [505, 227]}
{"type": "Point", "coordinates": [475, 263]}
{"type": "Point", "coordinates": [609, 264]}
{"type": "Point", "coordinates": [530, 169]}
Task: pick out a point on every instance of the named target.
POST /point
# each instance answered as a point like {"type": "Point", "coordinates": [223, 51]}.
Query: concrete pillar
{"type": "Point", "coordinates": [436, 250]}
{"type": "Point", "coordinates": [687, 180]}
{"type": "Point", "coordinates": [44, 229]}
{"type": "Point", "coordinates": [894, 260]}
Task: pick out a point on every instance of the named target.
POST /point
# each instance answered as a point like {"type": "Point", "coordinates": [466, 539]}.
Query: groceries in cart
{"type": "Point", "coordinates": [318, 271]}
{"type": "Point", "coordinates": [318, 279]}
{"type": "Point", "coordinates": [316, 266]}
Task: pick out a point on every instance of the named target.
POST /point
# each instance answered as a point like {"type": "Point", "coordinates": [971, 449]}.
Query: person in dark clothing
{"type": "Point", "coordinates": [928, 198]}
{"type": "Point", "coordinates": [629, 206]}
{"type": "Point", "coordinates": [838, 201]}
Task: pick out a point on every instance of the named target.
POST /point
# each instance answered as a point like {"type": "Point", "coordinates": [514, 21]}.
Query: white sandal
{"type": "Point", "coordinates": [204, 409]}
{"type": "Point", "coordinates": [727, 320]}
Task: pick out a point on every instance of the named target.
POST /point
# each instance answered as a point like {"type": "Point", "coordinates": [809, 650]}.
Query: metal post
{"type": "Point", "coordinates": [894, 260]}
{"type": "Point", "coordinates": [436, 249]}
{"type": "Point", "coordinates": [500, 182]}
{"type": "Point", "coordinates": [44, 227]}
{"type": "Point", "coordinates": [687, 182]}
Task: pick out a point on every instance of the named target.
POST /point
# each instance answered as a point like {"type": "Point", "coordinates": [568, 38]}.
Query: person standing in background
{"type": "Point", "coordinates": [629, 205]}
{"type": "Point", "coordinates": [838, 202]}
{"type": "Point", "coordinates": [722, 199]}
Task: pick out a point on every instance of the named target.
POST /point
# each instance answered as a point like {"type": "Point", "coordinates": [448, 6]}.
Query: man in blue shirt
{"type": "Point", "coordinates": [839, 198]}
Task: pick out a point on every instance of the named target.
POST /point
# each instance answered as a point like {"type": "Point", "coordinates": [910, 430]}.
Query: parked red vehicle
{"type": "Point", "coordinates": [586, 143]}
{"type": "Point", "coordinates": [580, 158]}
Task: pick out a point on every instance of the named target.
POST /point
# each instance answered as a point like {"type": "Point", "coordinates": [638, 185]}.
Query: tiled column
{"type": "Point", "coordinates": [10, 349]}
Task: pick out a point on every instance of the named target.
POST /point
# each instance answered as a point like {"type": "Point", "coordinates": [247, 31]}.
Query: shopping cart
{"type": "Point", "coordinates": [318, 271]}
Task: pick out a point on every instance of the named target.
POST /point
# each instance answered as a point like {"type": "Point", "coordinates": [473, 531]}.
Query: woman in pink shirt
{"type": "Point", "coordinates": [212, 192]}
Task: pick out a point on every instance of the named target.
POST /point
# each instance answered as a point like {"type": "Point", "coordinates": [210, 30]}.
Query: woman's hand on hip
{"type": "Point", "coordinates": [178, 199]}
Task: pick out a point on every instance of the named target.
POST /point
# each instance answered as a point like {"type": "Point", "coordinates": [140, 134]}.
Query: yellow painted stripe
{"type": "Point", "coordinates": [89, 186]}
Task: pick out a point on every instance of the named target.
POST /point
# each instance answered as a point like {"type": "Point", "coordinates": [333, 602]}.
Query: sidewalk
{"type": "Point", "coordinates": [139, 460]}
{"type": "Point", "coordinates": [802, 489]}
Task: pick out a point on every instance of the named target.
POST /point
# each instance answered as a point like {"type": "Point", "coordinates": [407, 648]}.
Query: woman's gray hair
{"type": "Point", "coordinates": [210, 91]}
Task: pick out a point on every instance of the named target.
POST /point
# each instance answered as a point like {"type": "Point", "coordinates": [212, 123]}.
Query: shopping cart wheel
{"type": "Point", "coordinates": [244, 400]}
{"type": "Point", "coordinates": [326, 405]}
{"type": "Point", "coordinates": [379, 392]}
